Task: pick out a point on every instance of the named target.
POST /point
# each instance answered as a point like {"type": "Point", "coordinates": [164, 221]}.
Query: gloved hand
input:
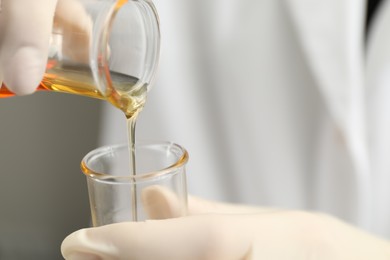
{"type": "Point", "coordinates": [25, 28]}
{"type": "Point", "coordinates": [216, 231]}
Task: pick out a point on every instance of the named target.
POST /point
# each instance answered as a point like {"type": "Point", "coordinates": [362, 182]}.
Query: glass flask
{"type": "Point", "coordinates": [105, 49]}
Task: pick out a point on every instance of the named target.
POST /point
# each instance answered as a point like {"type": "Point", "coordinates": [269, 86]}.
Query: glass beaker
{"type": "Point", "coordinates": [105, 49]}
{"type": "Point", "coordinates": [116, 195]}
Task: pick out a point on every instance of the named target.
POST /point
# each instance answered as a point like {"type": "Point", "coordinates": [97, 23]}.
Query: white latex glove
{"type": "Point", "coordinates": [215, 231]}
{"type": "Point", "coordinates": [25, 28]}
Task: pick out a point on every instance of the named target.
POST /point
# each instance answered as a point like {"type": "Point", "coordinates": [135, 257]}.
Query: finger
{"type": "Point", "coordinates": [189, 238]}
{"type": "Point", "coordinates": [161, 203]}
{"type": "Point", "coordinates": [275, 236]}
{"type": "Point", "coordinates": [25, 42]}
{"type": "Point", "coordinates": [75, 25]}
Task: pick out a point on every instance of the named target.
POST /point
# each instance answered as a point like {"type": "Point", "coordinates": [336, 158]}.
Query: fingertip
{"type": "Point", "coordinates": [95, 243]}
{"type": "Point", "coordinates": [24, 70]}
{"type": "Point", "coordinates": [161, 203]}
{"type": "Point", "coordinates": [70, 243]}
{"type": "Point", "coordinates": [77, 246]}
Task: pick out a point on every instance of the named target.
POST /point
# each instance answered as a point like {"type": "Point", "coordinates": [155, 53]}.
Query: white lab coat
{"type": "Point", "coordinates": [279, 103]}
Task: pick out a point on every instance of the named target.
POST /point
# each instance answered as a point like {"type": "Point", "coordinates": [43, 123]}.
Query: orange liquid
{"type": "Point", "coordinates": [58, 84]}
{"type": "Point", "coordinates": [129, 96]}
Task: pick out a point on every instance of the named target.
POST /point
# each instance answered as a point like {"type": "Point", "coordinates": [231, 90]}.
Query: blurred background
{"type": "Point", "coordinates": [43, 194]}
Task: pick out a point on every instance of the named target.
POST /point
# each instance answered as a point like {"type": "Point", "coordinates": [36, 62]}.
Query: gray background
{"type": "Point", "coordinates": [43, 194]}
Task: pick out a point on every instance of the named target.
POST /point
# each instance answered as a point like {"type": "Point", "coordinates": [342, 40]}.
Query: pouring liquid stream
{"type": "Point", "coordinates": [131, 103]}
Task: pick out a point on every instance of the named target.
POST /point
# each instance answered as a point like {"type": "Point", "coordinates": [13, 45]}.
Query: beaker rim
{"type": "Point", "coordinates": [144, 176]}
